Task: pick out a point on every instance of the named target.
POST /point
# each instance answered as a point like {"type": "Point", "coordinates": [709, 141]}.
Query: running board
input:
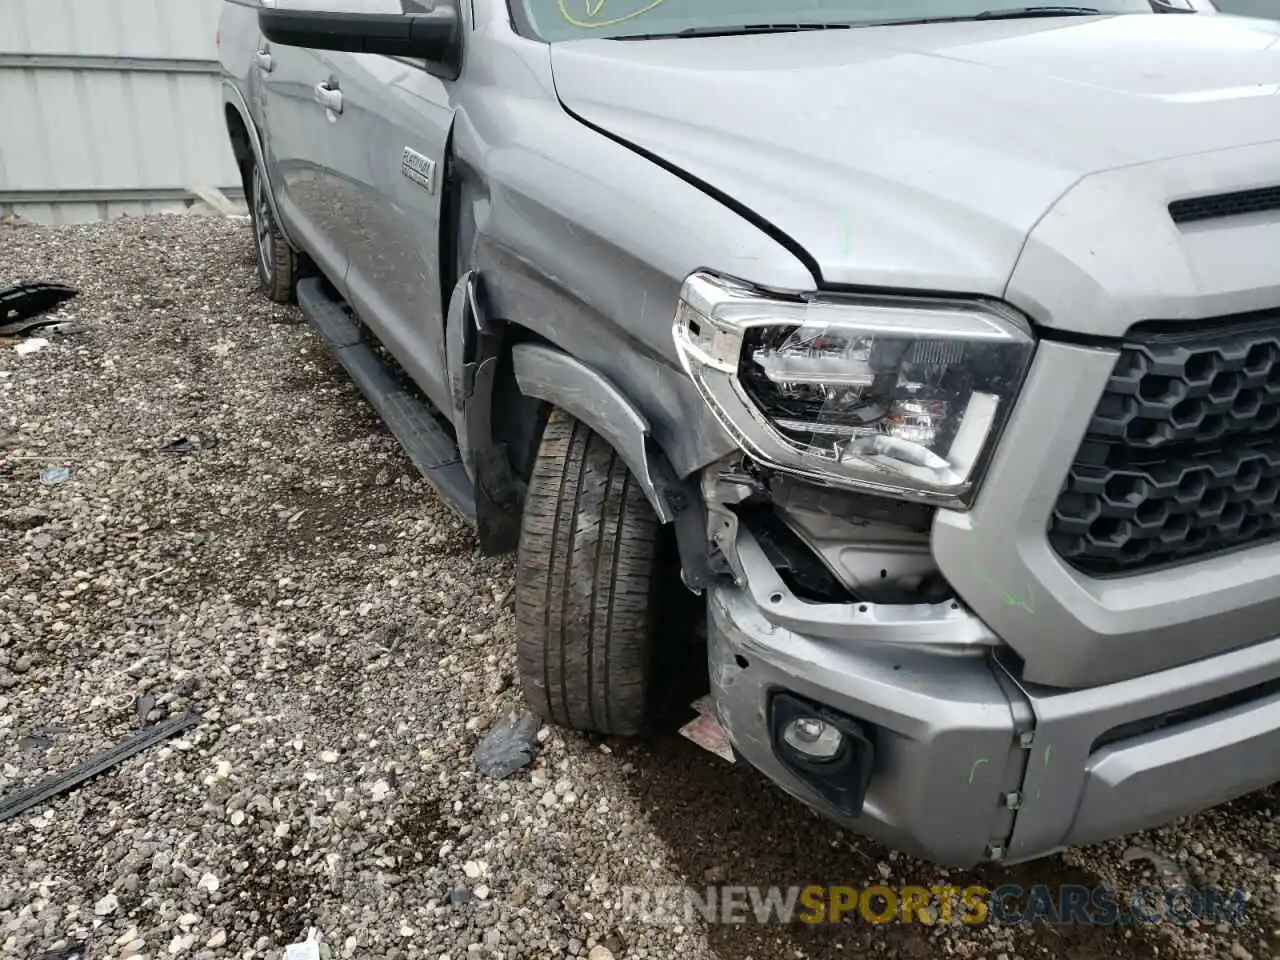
{"type": "Point", "coordinates": [410, 417]}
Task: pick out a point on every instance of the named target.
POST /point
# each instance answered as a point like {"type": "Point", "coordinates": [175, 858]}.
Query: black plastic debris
{"type": "Point", "coordinates": [23, 305]}
{"type": "Point", "coordinates": [186, 446]}
{"type": "Point", "coordinates": [20, 801]}
{"type": "Point", "coordinates": [510, 744]}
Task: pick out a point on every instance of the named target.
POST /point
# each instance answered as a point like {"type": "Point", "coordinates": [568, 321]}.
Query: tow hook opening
{"type": "Point", "coordinates": [829, 751]}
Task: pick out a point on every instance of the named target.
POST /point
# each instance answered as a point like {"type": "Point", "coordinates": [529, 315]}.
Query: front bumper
{"type": "Point", "coordinates": [971, 766]}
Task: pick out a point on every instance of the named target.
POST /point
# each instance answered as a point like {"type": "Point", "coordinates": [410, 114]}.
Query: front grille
{"type": "Point", "coordinates": [1182, 457]}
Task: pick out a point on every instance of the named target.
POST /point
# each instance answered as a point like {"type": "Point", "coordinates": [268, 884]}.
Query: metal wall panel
{"type": "Point", "coordinates": [109, 106]}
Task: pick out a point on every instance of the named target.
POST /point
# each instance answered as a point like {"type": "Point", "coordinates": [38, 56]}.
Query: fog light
{"type": "Point", "coordinates": [830, 752]}
{"type": "Point", "coordinates": [813, 738]}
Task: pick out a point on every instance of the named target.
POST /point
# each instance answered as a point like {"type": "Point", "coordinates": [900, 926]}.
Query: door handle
{"type": "Point", "coordinates": [264, 61]}
{"type": "Point", "coordinates": [329, 96]}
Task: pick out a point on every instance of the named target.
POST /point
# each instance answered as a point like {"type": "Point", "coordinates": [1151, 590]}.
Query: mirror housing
{"type": "Point", "coordinates": [434, 35]}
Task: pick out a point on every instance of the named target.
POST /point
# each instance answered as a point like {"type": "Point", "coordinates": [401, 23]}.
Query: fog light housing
{"type": "Point", "coordinates": [829, 751]}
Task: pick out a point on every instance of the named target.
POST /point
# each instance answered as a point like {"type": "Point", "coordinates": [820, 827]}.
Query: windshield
{"type": "Point", "coordinates": [1268, 9]}
{"type": "Point", "coordinates": [554, 20]}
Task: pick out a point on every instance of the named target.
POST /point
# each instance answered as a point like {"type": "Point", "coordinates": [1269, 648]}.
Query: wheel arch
{"type": "Point", "coordinates": [504, 379]}
{"type": "Point", "coordinates": [246, 147]}
{"type": "Point", "coordinates": [553, 376]}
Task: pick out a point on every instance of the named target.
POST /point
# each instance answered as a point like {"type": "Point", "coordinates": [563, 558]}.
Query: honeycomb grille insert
{"type": "Point", "coordinates": [1182, 456]}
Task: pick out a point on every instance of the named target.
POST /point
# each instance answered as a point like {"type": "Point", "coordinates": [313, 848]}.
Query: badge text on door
{"type": "Point", "coordinates": [421, 170]}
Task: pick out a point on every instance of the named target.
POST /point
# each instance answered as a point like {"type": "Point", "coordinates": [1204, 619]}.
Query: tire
{"type": "Point", "coordinates": [588, 572]}
{"type": "Point", "coordinates": [277, 261]}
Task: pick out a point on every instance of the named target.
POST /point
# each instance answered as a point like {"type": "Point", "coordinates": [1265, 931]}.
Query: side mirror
{"type": "Point", "coordinates": [425, 30]}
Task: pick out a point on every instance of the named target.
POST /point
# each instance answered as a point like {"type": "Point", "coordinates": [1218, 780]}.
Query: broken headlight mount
{"type": "Point", "coordinates": [898, 396]}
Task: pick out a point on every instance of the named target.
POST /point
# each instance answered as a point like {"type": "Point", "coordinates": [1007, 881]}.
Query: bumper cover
{"type": "Point", "coordinates": [970, 766]}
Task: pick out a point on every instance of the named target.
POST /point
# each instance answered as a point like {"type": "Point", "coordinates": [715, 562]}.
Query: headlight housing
{"type": "Point", "coordinates": [903, 396]}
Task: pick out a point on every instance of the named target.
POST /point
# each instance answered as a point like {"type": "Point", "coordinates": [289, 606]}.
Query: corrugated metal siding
{"type": "Point", "coordinates": [109, 107]}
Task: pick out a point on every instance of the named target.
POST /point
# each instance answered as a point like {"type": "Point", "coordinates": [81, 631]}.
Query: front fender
{"type": "Point", "coordinates": [559, 379]}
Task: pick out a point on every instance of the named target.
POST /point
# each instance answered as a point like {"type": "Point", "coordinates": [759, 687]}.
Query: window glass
{"type": "Point", "coordinates": [574, 19]}
{"type": "Point", "coordinates": [1268, 9]}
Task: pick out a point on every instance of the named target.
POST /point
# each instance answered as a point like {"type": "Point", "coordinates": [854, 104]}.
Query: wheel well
{"type": "Point", "coordinates": [241, 147]}
{"type": "Point", "coordinates": [516, 420]}
{"type": "Point", "coordinates": [510, 424]}
{"type": "Point", "coordinates": [504, 426]}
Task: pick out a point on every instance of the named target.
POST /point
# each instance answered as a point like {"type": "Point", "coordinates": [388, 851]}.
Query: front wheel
{"type": "Point", "coordinates": [277, 261]}
{"type": "Point", "coordinates": [589, 570]}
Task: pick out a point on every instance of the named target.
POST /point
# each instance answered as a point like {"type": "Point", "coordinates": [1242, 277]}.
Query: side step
{"type": "Point", "coordinates": [407, 413]}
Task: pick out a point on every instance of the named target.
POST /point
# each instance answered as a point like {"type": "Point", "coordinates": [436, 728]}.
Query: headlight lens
{"type": "Point", "coordinates": [903, 396]}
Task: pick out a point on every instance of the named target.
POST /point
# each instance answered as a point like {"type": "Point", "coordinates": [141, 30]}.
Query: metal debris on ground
{"type": "Point", "coordinates": [34, 345]}
{"type": "Point", "coordinates": [22, 800]}
{"type": "Point", "coordinates": [510, 744]}
{"type": "Point", "coordinates": [185, 446]}
{"type": "Point", "coordinates": [52, 476]}
{"type": "Point", "coordinates": [23, 302]}
{"type": "Point", "coordinates": [706, 732]}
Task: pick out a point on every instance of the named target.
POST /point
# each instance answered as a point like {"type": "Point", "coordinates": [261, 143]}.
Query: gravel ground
{"type": "Point", "coordinates": [292, 579]}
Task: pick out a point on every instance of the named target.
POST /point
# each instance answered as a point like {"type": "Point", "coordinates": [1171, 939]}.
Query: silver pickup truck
{"type": "Point", "coordinates": [926, 351]}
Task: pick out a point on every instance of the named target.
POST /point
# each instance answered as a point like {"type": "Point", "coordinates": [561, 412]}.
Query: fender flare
{"type": "Point", "coordinates": [231, 96]}
{"type": "Point", "coordinates": [571, 385]}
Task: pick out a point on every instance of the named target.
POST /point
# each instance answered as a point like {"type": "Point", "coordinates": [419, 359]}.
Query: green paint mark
{"type": "Point", "coordinates": [1008, 598]}
{"type": "Point", "coordinates": [973, 771]}
{"type": "Point", "coordinates": [1047, 750]}
{"type": "Point", "coordinates": [1012, 600]}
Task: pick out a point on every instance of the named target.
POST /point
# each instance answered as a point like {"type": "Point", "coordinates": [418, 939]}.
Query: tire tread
{"type": "Point", "coordinates": [585, 584]}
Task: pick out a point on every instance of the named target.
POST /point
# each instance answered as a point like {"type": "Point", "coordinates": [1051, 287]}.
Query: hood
{"type": "Point", "coordinates": [922, 156]}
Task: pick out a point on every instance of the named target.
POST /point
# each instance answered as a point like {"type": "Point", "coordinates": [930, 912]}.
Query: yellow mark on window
{"type": "Point", "coordinates": [595, 7]}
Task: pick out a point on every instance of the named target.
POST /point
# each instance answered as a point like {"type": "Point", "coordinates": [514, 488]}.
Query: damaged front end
{"type": "Point", "coordinates": [842, 663]}
{"type": "Point", "coordinates": [845, 668]}
{"type": "Point", "coordinates": [833, 563]}
{"type": "Point", "coordinates": [849, 666]}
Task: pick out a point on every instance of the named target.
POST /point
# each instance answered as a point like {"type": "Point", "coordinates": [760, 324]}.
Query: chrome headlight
{"type": "Point", "coordinates": [899, 395]}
